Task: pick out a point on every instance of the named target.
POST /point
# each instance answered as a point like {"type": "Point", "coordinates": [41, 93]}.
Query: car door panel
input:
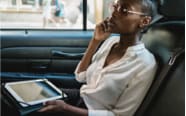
{"type": "Point", "coordinates": [40, 58]}
{"type": "Point", "coordinates": [38, 51]}
{"type": "Point", "coordinates": [33, 54]}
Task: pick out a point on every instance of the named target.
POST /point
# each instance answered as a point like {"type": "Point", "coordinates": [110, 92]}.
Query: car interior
{"type": "Point", "coordinates": [28, 54]}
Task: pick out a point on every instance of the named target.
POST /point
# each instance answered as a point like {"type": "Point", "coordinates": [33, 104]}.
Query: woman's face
{"type": "Point", "coordinates": [126, 17]}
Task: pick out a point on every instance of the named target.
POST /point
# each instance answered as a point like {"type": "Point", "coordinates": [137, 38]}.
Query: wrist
{"type": "Point", "coordinates": [96, 41]}
{"type": "Point", "coordinates": [93, 45]}
{"type": "Point", "coordinates": [66, 107]}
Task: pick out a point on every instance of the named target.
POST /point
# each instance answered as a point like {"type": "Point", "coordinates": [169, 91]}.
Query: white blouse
{"type": "Point", "coordinates": [119, 88]}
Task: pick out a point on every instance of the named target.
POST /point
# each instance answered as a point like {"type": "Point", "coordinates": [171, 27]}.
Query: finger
{"type": "Point", "coordinates": [104, 26]}
{"type": "Point", "coordinates": [101, 27]}
{"type": "Point", "coordinates": [47, 109]}
{"type": "Point", "coordinates": [105, 23]}
{"type": "Point", "coordinates": [107, 19]}
{"type": "Point", "coordinates": [110, 26]}
{"type": "Point", "coordinates": [50, 102]}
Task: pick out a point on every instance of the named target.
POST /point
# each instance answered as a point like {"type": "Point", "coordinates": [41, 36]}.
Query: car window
{"type": "Point", "coordinates": [51, 14]}
{"type": "Point", "coordinates": [97, 11]}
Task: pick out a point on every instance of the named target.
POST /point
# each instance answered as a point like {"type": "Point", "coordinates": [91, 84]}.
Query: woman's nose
{"type": "Point", "coordinates": [114, 13]}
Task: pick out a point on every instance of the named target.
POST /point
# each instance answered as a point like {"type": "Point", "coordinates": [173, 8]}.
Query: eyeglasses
{"type": "Point", "coordinates": [124, 11]}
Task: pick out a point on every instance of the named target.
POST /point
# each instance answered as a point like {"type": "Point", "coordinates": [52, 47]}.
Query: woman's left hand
{"type": "Point", "coordinates": [54, 106]}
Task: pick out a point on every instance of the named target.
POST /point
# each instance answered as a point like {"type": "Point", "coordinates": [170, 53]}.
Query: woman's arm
{"type": "Point", "coordinates": [61, 106]}
{"type": "Point", "coordinates": [101, 33]}
{"type": "Point", "coordinates": [86, 60]}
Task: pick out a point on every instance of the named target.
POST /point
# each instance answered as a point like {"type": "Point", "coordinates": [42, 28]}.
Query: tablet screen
{"type": "Point", "coordinates": [33, 92]}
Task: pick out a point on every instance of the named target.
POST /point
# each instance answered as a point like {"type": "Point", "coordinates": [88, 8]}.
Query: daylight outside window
{"type": "Point", "coordinates": [97, 10]}
{"type": "Point", "coordinates": [62, 14]}
{"type": "Point", "coordinates": [51, 14]}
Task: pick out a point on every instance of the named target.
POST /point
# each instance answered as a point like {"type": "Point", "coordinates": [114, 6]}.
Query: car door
{"type": "Point", "coordinates": [38, 44]}
{"type": "Point", "coordinates": [41, 54]}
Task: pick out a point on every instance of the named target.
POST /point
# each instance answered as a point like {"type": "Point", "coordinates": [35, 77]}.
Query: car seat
{"type": "Point", "coordinates": [166, 40]}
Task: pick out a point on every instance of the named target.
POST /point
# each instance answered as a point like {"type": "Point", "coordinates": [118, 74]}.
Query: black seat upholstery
{"type": "Point", "coordinates": [169, 100]}
{"type": "Point", "coordinates": [163, 39]}
{"type": "Point", "coordinates": [172, 9]}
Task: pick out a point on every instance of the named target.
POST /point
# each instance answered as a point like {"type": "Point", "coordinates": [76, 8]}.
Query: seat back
{"type": "Point", "coordinates": [169, 100]}
{"type": "Point", "coordinates": [172, 9]}
{"type": "Point", "coordinates": [163, 39]}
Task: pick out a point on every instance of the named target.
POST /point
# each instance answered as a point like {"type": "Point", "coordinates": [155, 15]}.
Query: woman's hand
{"type": "Point", "coordinates": [102, 30]}
{"type": "Point", "coordinates": [54, 106]}
{"type": "Point", "coordinates": [61, 106]}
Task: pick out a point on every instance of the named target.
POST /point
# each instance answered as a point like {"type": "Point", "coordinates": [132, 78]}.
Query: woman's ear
{"type": "Point", "coordinates": [145, 21]}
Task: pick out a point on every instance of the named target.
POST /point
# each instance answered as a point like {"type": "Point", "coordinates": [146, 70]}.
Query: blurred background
{"type": "Point", "coordinates": [51, 14]}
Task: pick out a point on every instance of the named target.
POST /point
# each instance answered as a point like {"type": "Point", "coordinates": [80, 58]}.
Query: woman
{"type": "Point", "coordinates": [119, 74]}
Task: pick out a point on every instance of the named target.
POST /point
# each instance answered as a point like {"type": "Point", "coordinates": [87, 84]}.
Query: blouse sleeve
{"type": "Point", "coordinates": [80, 77]}
{"type": "Point", "coordinates": [100, 113]}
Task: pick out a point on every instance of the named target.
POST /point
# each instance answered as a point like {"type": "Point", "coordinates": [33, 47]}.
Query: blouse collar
{"type": "Point", "coordinates": [137, 47]}
{"type": "Point", "coordinates": [133, 48]}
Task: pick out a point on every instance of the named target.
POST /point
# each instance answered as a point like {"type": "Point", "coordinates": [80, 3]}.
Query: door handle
{"type": "Point", "coordinates": [40, 67]}
{"type": "Point", "coordinates": [66, 55]}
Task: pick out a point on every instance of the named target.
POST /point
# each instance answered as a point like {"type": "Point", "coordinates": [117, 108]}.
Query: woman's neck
{"type": "Point", "coordinates": [129, 40]}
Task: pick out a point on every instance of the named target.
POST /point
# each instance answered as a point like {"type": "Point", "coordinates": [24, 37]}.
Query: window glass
{"type": "Point", "coordinates": [97, 10]}
{"type": "Point", "coordinates": [52, 14]}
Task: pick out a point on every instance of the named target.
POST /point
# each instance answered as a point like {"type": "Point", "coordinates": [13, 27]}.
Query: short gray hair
{"type": "Point", "coordinates": [149, 7]}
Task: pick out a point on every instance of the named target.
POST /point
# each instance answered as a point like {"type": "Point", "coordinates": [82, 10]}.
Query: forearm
{"type": "Point", "coordinates": [75, 111]}
{"type": "Point", "coordinates": [99, 35]}
{"type": "Point", "coordinates": [86, 60]}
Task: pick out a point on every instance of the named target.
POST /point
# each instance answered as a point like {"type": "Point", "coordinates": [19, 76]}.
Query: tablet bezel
{"type": "Point", "coordinates": [25, 103]}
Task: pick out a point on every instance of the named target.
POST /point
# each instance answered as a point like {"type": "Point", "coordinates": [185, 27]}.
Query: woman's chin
{"type": "Point", "coordinates": [113, 31]}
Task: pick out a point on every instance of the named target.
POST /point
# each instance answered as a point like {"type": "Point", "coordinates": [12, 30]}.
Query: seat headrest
{"type": "Point", "coordinates": [164, 38]}
{"type": "Point", "coordinates": [172, 8]}
{"type": "Point", "coordinates": [171, 34]}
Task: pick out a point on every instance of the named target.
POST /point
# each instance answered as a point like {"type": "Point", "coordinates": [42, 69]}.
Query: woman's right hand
{"type": "Point", "coordinates": [102, 30]}
{"type": "Point", "coordinates": [101, 33]}
{"type": "Point", "coordinates": [54, 106]}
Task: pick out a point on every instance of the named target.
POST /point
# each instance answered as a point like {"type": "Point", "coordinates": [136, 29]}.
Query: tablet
{"type": "Point", "coordinates": [33, 92]}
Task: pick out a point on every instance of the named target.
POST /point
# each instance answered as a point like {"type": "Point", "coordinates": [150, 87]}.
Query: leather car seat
{"type": "Point", "coordinates": [163, 39]}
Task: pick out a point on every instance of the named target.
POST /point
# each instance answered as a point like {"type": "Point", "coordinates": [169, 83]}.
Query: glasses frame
{"type": "Point", "coordinates": [125, 11]}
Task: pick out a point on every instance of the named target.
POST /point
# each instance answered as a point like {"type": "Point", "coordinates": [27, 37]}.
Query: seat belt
{"type": "Point", "coordinates": [156, 85]}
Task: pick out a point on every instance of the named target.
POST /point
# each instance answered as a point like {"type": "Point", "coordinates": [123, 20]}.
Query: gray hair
{"type": "Point", "coordinates": [149, 7]}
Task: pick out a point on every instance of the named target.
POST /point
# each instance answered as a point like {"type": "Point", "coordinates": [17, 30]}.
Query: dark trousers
{"type": "Point", "coordinates": [74, 98]}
